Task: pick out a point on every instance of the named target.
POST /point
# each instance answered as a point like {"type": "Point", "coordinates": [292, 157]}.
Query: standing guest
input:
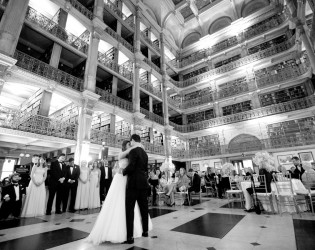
{"type": "Point", "coordinates": [94, 197]}
{"type": "Point", "coordinates": [36, 192]}
{"type": "Point", "coordinates": [195, 181]}
{"type": "Point", "coordinates": [58, 173]}
{"type": "Point", "coordinates": [203, 181]}
{"type": "Point", "coordinates": [72, 184]}
{"type": "Point", "coordinates": [12, 194]}
{"type": "Point", "coordinates": [218, 183]}
{"type": "Point", "coordinates": [299, 170]}
{"type": "Point", "coordinates": [82, 198]}
{"type": "Point", "coordinates": [106, 179]}
{"type": "Point", "coordinates": [154, 183]}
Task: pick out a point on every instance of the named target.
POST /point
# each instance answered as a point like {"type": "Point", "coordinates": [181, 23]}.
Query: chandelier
{"type": "Point", "coordinates": [25, 154]}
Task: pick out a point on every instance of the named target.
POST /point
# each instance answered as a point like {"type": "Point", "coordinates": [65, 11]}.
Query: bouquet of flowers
{"type": "Point", "coordinates": [227, 168]}
{"type": "Point", "coordinates": [264, 160]}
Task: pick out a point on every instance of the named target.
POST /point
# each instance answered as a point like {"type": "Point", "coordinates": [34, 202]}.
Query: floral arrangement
{"type": "Point", "coordinates": [227, 167]}
{"type": "Point", "coordinates": [264, 160]}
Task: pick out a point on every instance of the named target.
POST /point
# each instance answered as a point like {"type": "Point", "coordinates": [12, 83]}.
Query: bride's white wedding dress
{"type": "Point", "coordinates": [110, 224]}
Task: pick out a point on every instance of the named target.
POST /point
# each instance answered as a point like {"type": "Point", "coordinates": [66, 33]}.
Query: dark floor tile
{"type": "Point", "coordinates": [255, 244]}
{"type": "Point", "coordinates": [204, 225]}
{"type": "Point", "coordinates": [154, 237]}
{"type": "Point", "coordinates": [57, 224]}
{"type": "Point", "coordinates": [2, 234]}
{"type": "Point", "coordinates": [236, 205]}
{"type": "Point", "coordinates": [44, 240]}
{"type": "Point", "coordinates": [88, 211]}
{"type": "Point", "coordinates": [211, 248]}
{"type": "Point", "coordinates": [199, 208]}
{"type": "Point", "coordinates": [136, 248]}
{"type": "Point", "coordinates": [77, 220]}
{"type": "Point", "coordinates": [20, 222]}
{"type": "Point", "coordinates": [304, 234]}
{"type": "Point", "coordinates": [156, 212]}
{"type": "Point", "coordinates": [263, 227]}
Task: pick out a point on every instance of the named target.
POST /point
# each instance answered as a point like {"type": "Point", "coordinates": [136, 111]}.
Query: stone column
{"type": "Point", "coordinates": [57, 48]}
{"type": "Point", "coordinates": [11, 25]}
{"type": "Point", "coordinates": [312, 34]}
{"type": "Point", "coordinates": [89, 100]}
{"type": "Point", "coordinates": [255, 100]}
{"type": "Point", "coordinates": [150, 103]}
{"type": "Point", "coordinates": [307, 45]}
{"type": "Point", "coordinates": [45, 103]}
{"type": "Point", "coordinates": [184, 119]}
{"type": "Point", "coordinates": [115, 78]}
{"type": "Point", "coordinates": [137, 30]}
{"type": "Point", "coordinates": [113, 123]}
{"type": "Point", "coordinates": [91, 63]}
{"type": "Point", "coordinates": [119, 7]}
{"type": "Point", "coordinates": [136, 88]}
{"type": "Point", "coordinates": [99, 8]}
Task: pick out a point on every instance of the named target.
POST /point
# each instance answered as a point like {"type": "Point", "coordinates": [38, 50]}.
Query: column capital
{"type": "Point", "coordinates": [96, 35]}
{"type": "Point", "coordinates": [67, 6]}
{"type": "Point", "coordinates": [52, 85]}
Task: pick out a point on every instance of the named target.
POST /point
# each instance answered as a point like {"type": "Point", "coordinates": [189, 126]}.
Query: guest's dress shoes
{"type": "Point", "coordinates": [129, 241]}
{"type": "Point", "coordinates": [48, 213]}
{"type": "Point", "coordinates": [58, 212]}
{"type": "Point", "coordinates": [145, 234]}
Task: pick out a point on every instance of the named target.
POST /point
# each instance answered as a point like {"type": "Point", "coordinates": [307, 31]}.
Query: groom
{"type": "Point", "coordinates": [137, 187]}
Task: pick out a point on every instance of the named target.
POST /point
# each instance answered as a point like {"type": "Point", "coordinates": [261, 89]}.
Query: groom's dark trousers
{"type": "Point", "coordinates": [136, 189]}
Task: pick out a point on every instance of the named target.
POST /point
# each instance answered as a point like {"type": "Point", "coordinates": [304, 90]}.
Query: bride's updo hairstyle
{"type": "Point", "coordinates": [124, 145]}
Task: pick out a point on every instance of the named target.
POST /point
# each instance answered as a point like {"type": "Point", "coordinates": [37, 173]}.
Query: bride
{"type": "Point", "coordinates": [110, 224]}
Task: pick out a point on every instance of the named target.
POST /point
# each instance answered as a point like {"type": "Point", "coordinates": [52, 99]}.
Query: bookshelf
{"type": "Point", "coordinates": [177, 119]}
{"type": "Point", "coordinates": [195, 73]}
{"type": "Point", "coordinates": [177, 143]}
{"type": "Point", "coordinates": [200, 116]}
{"type": "Point", "coordinates": [145, 134]}
{"type": "Point", "coordinates": [144, 102]}
{"type": "Point", "coordinates": [283, 95]}
{"type": "Point", "coordinates": [125, 94]}
{"type": "Point", "coordinates": [208, 141]}
{"type": "Point", "coordinates": [69, 114]}
{"type": "Point", "coordinates": [157, 137]}
{"type": "Point", "coordinates": [32, 104]}
{"type": "Point", "coordinates": [268, 44]}
{"type": "Point", "coordinates": [101, 122]}
{"type": "Point", "coordinates": [226, 61]}
{"type": "Point", "coordinates": [123, 129]}
{"type": "Point", "coordinates": [237, 108]}
{"type": "Point", "coordinates": [198, 93]}
{"type": "Point", "coordinates": [233, 87]}
{"type": "Point", "coordinates": [158, 109]}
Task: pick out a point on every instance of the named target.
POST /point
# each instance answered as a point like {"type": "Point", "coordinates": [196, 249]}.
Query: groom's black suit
{"type": "Point", "coordinates": [137, 188]}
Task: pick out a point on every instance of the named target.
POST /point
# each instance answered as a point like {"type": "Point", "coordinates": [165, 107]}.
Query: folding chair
{"type": "Point", "coordinates": [309, 184]}
{"type": "Point", "coordinates": [195, 194]}
{"type": "Point", "coordinates": [262, 192]}
{"type": "Point", "coordinates": [234, 191]}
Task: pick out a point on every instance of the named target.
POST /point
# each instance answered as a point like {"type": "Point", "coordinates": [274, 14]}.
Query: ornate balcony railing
{"type": "Point", "coordinates": [79, 7]}
{"type": "Point", "coordinates": [149, 87]}
{"type": "Point", "coordinates": [37, 124]}
{"type": "Point", "coordinates": [304, 139]}
{"type": "Point", "coordinates": [173, 102]}
{"type": "Point", "coordinates": [38, 67]}
{"type": "Point", "coordinates": [108, 62]}
{"type": "Point", "coordinates": [152, 117]}
{"type": "Point", "coordinates": [152, 65]}
{"type": "Point", "coordinates": [119, 39]}
{"type": "Point", "coordinates": [239, 63]}
{"type": "Point", "coordinates": [251, 114]}
{"type": "Point", "coordinates": [153, 148]}
{"type": "Point", "coordinates": [53, 28]}
{"type": "Point", "coordinates": [264, 26]}
{"type": "Point", "coordinates": [197, 101]}
{"type": "Point", "coordinates": [114, 100]}
{"type": "Point", "coordinates": [147, 39]}
{"type": "Point", "coordinates": [232, 90]}
{"type": "Point", "coordinates": [282, 75]}
{"type": "Point", "coordinates": [128, 20]}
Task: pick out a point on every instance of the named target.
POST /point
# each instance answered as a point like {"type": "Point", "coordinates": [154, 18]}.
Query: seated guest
{"type": "Point", "coordinates": [311, 177]}
{"type": "Point", "coordinates": [267, 184]}
{"type": "Point", "coordinates": [203, 181]}
{"type": "Point", "coordinates": [12, 195]}
{"type": "Point", "coordinates": [195, 182]}
{"type": "Point", "coordinates": [249, 172]}
{"type": "Point", "coordinates": [158, 173]}
{"type": "Point", "coordinates": [298, 170]}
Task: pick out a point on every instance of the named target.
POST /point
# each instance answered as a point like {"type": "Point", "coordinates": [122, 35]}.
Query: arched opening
{"type": "Point", "coordinates": [190, 39]}
{"type": "Point", "coordinates": [253, 6]}
{"type": "Point", "coordinates": [219, 24]}
{"type": "Point", "coordinates": [244, 143]}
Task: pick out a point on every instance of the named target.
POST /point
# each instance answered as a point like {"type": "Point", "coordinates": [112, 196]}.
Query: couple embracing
{"type": "Point", "coordinates": [124, 215]}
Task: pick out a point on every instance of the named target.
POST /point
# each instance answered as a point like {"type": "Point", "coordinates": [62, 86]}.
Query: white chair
{"type": "Point", "coordinates": [195, 194]}
{"type": "Point", "coordinates": [309, 183]}
{"type": "Point", "coordinates": [234, 191]}
{"type": "Point", "coordinates": [181, 196]}
{"type": "Point", "coordinates": [262, 192]}
{"type": "Point", "coordinates": [285, 196]}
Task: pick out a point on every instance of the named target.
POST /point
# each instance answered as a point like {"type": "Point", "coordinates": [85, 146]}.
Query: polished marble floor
{"type": "Point", "coordinates": [213, 224]}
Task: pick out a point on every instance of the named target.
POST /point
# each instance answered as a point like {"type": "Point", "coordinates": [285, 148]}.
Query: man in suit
{"type": "Point", "coordinates": [137, 187]}
{"type": "Point", "coordinates": [58, 175]}
{"type": "Point", "coordinates": [299, 170]}
{"type": "Point", "coordinates": [73, 173]}
{"type": "Point", "coordinates": [106, 179]}
{"type": "Point", "coordinates": [12, 198]}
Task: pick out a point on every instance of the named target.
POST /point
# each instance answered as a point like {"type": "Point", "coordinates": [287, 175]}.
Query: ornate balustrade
{"type": "Point", "coordinates": [37, 124]}
{"type": "Point", "coordinates": [248, 33]}
{"type": "Point", "coordinates": [264, 26]}
{"type": "Point", "coordinates": [149, 87]}
{"type": "Point", "coordinates": [114, 100]}
{"type": "Point", "coordinates": [100, 137]}
{"type": "Point", "coordinates": [152, 117]}
{"type": "Point", "coordinates": [153, 148]}
{"type": "Point", "coordinates": [282, 75]}
{"type": "Point", "coordinates": [307, 138]}
{"type": "Point", "coordinates": [128, 20]}
{"type": "Point", "coordinates": [251, 114]}
{"type": "Point", "coordinates": [79, 7]}
{"type": "Point", "coordinates": [197, 101]}
{"type": "Point", "coordinates": [119, 39]}
{"type": "Point", "coordinates": [53, 28]}
{"type": "Point", "coordinates": [152, 65]}
{"type": "Point", "coordinates": [38, 67]}
{"type": "Point", "coordinates": [108, 62]}
{"type": "Point", "coordinates": [232, 90]}
{"type": "Point", "coordinates": [173, 102]}
{"type": "Point", "coordinates": [239, 63]}
{"type": "Point", "coordinates": [147, 39]}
